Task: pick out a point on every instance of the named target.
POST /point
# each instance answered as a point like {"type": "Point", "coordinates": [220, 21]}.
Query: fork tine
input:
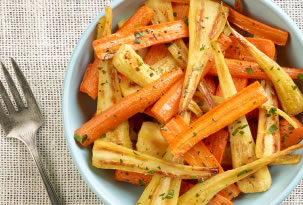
{"type": "Point", "coordinates": [5, 97]}
{"type": "Point", "coordinates": [29, 96]}
{"type": "Point", "coordinates": [13, 88]}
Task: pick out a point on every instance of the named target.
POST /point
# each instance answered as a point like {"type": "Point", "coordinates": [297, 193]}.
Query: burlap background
{"type": "Point", "coordinates": [41, 35]}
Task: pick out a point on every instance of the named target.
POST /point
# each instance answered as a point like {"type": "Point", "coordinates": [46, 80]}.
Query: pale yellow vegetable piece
{"type": "Point", "coordinates": [150, 140]}
{"type": "Point", "coordinates": [268, 136]}
{"type": "Point", "coordinates": [131, 65]}
{"type": "Point", "coordinates": [241, 140]}
{"type": "Point", "coordinates": [108, 88]}
{"type": "Point", "coordinates": [204, 25]}
{"type": "Point", "coordinates": [289, 94]}
{"type": "Point", "coordinates": [287, 160]}
{"type": "Point", "coordinates": [107, 155]}
{"type": "Point", "coordinates": [201, 193]}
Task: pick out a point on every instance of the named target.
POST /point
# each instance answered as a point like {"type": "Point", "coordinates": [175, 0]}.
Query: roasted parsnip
{"type": "Point", "coordinates": [268, 137]}
{"type": "Point", "coordinates": [108, 89]}
{"type": "Point", "coordinates": [150, 140]}
{"type": "Point", "coordinates": [107, 155]}
{"type": "Point", "coordinates": [204, 25]}
{"type": "Point", "coordinates": [241, 140]}
{"type": "Point", "coordinates": [164, 13]}
{"type": "Point", "coordinates": [201, 193]}
{"type": "Point", "coordinates": [289, 94]}
{"type": "Point", "coordinates": [130, 64]}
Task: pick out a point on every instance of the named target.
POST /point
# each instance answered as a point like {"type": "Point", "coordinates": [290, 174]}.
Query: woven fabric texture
{"type": "Point", "coordinates": [41, 35]}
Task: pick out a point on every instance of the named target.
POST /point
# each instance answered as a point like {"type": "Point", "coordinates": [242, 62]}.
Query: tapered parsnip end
{"type": "Point", "coordinates": [130, 64]}
{"type": "Point", "coordinates": [108, 155]}
{"type": "Point", "coordinates": [289, 94]}
{"type": "Point", "coordinates": [203, 192]}
{"type": "Point", "coordinates": [287, 160]}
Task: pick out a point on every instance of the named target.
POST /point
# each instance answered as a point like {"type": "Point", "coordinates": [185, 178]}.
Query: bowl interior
{"type": "Point", "coordinates": [78, 108]}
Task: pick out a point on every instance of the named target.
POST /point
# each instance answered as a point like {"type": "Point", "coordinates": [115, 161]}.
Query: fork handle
{"type": "Point", "coordinates": [48, 186]}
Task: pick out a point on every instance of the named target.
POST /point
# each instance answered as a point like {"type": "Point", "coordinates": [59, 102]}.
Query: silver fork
{"type": "Point", "coordinates": [24, 122]}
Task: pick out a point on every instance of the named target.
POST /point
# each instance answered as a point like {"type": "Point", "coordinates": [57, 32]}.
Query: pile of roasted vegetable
{"type": "Point", "coordinates": [183, 95]}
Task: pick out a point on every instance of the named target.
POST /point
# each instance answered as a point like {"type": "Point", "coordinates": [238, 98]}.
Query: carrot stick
{"type": "Point", "coordinates": [251, 70]}
{"type": "Point", "coordinates": [140, 18]}
{"type": "Point", "coordinates": [240, 104]}
{"type": "Point", "coordinates": [125, 108]}
{"type": "Point", "coordinates": [240, 83]}
{"type": "Point", "coordinates": [238, 51]}
{"type": "Point", "coordinates": [140, 38]}
{"type": "Point", "coordinates": [238, 5]}
{"type": "Point", "coordinates": [199, 155]}
{"type": "Point", "coordinates": [185, 186]}
{"type": "Point", "coordinates": [250, 25]}
{"type": "Point", "coordinates": [89, 84]}
{"type": "Point", "coordinates": [180, 11]}
{"type": "Point", "coordinates": [155, 54]}
{"type": "Point", "coordinates": [132, 177]}
{"type": "Point", "coordinates": [211, 84]}
{"type": "Point", "coordinates": [289, 135]}
{"type": "Point", "coordinates": [218, 199]}
{"type": "Point", "coordinates": [216, 144]}
{"type": "Point", "coordinates": [167, 106]}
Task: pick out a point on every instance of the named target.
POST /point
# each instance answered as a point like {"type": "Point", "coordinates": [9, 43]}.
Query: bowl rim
{"type": "Point", "coordinates": [66, 86]}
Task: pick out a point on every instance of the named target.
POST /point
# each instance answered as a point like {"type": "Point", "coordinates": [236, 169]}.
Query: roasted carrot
{"type": "Point", "coordinates": [211, 84]}
{"type": "Point", "coordinates": [126, 108]}
{"type": "Point", "coordinates": [243, 102]}
{"type": "Point", "coordinates": [218, 199]}
{"type": "Point", "coordinates": [240, 83]}
{"type": "Point", "coordinates": [180, 11]}
{"type": "Point", "coordinates": [238, 5]}
{"type": "Point", "coordinates": [289, 135]}
{"type": "Point", "coordinates": [238, 51]}
{"type": "Point", "coordinates": [167, 106]}
{"type": "Point", "coordinates": [216, 144]}
{"type": "Point", "coordinates": [155, 54]}
{"type": "Point", "coordinates": [199, 155]}
{"type": "Point", "coordinates": [140, 38]}
{"type": "Point", "coordinates": [185, 186]}
{"type": "Point", "coordinates": [251, 70]}
{"type": "Point", "coordinates": [132, 177]}
{"type": "Point", "coordinates": [140, 18]}
{"type": "Point", "coordinates": [89, 84]}
{"type": "Point", "coordinates": [250, 25]}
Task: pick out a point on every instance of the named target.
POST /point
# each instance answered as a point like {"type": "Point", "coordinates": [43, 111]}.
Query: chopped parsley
{"type": "Point", "coordinates": [175, 14]}
{"type": "Point", "coordinates": [79, 139]}
{"type": "Point", "coordinates": [197, 195]}
{"type": "Point", "coordinates": [142, 182]}
{"type": "Point", "coordinates": [140, 63]}
{"type": "Point", "coordinates": [170, 194]}
{"type": "Point", "coordinates": [194, 134]}
{"type": "Point", "coordinates": [103, 136]}
{"type": "Point", "coordinates": [201, 180]}
{"type": "Point", "coordinates": [244, 172]}
{"type": "Point", "coordinates": [272, 129]}
{"type": "Point", "coordinates": [121, 161]}
{"type": "Point", "coordinates": [151, 172]}
{"type": "Point", "coordinates": [115, 116]}
{"type": "Point", "coordinates": [249, 70]}
{"type": "Point", "coordinates": [186, 20]}
{"type": "Point", "coordinates": [198, 68]}
{"type": "Point", "coordinates": [294, 87]}
{"type": "Point", "coordinates": [238, 129]}
{"type": "Point", "coordinates": [137, 41]}
{"type": "Point", "coordinates": [202, 48]}
{"type": "Point", "coordinates": [300, 76]}
{"type": "Point", "coordinates": [273, 111]}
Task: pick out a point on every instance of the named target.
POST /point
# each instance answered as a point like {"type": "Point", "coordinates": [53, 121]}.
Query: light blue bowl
{"type": "Point", "coordinates": [77, 108]}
